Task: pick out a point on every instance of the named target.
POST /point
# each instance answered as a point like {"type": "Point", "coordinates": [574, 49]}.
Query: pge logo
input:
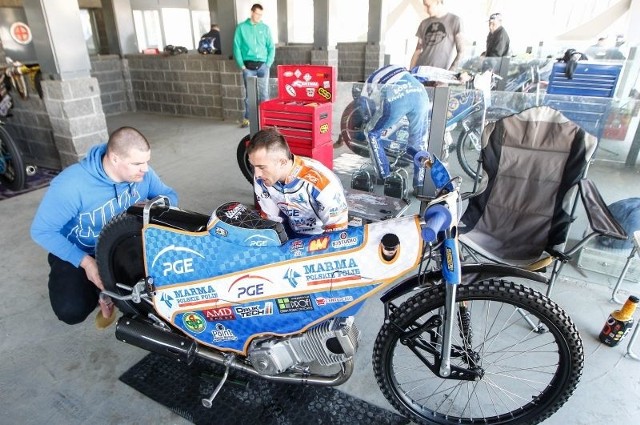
{"type": "Point", "coordinates": [179, 266]}
{"type": "Point", "coordinates": [260, 241]}
{"type": "Point", "coordinates": [249, 286]}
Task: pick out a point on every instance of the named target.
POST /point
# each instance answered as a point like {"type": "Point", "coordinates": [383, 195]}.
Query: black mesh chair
{"type": "Point", "coordinates": [533, 165]}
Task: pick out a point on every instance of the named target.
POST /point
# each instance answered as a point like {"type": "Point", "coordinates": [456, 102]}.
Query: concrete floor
{"type": "Point", "coordinates": [58, 374]}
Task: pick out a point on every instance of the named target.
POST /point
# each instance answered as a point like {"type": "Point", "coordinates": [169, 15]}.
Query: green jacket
{"type": "Point", "coordinates": [254, 43]}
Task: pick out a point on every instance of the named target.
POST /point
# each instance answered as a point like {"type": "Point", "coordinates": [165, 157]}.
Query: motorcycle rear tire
{"type": "Point", "coordinates": [243, 159]}
{"type": "Point", "coordinates": [15, 175]}
{"type": "Point", "coordinates": [525, 373]}
{"type": "Point", "coordinates": [120, 259]}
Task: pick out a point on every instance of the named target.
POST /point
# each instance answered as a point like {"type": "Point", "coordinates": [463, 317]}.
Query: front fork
{"type": "Point", "coordinates": [452, 277]}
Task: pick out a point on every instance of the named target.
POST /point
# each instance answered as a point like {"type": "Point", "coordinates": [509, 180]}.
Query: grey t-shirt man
{"type": "Point", "coordinates": [438, 37]}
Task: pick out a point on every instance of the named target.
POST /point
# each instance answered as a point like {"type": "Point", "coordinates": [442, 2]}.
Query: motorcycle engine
{"type": "Point", "coordinates": [328, 343]}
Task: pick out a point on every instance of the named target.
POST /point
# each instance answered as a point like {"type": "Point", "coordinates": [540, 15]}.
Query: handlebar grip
{"type": "Point", "coordinates": [437, 218]}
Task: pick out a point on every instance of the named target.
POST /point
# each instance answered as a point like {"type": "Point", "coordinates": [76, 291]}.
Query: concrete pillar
{"type": "Point", "coordinates": [58, 38]}
{"type": "Point", "coordinates": [283, 27]}
{"type": "Point", "coordinates": [70, 95]}
{"type": "Point", "coordinates": [121, 32]}
{"type": "Point", "coordinates": [223, 13]}
{"type": "Point", "coordinates": [322, 53]}
{"type": "Point", "coordinates": [75, 112]}
{"type": "Point", "coordinates": [374, 50]}
{"type": "Point", "coordinates": [374, 31]}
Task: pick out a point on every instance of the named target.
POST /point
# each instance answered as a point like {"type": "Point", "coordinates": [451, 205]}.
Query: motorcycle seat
{"type": "Point", "coordinates": [240, 225]}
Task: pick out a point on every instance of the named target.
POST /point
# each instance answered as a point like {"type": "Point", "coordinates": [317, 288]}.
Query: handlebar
{"type": "Point", "coordinates": [436, 218]}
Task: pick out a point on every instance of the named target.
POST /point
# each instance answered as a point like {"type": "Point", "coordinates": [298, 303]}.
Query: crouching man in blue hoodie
{"type": "Point", "coordinates": [79, 203]}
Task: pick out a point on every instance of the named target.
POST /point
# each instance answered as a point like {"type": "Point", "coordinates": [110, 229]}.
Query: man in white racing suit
{"type": "Point", "coordinates": [304, 195]}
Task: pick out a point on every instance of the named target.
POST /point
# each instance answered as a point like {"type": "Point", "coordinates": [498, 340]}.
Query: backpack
{"type": "Point", "coordinates": [571, 58]}
{"type": "Point", "coordinates": [205, 46]}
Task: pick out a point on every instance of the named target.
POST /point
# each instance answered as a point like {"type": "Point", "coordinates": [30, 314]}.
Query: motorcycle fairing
{"type": "Point", "coordinates": [224, 294]}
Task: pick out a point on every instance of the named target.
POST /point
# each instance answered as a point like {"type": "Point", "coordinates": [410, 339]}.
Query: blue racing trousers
{"type": "Point", "coordinates": [398, 100]}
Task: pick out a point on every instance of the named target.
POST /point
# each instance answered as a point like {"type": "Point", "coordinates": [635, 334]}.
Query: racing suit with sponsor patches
{"type": "Point", "coordinates": [310, 201]}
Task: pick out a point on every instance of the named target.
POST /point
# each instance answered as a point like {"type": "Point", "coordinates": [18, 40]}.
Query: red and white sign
{"type": "Point", "coordinates": [21, 33]}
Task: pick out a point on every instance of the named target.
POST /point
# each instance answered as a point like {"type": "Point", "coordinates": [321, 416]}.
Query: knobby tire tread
{"type": "Point", "coordinates": [494, 290]}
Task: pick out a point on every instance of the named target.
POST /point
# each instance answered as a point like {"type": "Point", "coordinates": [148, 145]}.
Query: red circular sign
{"type": "Point", "coordinates": [21, 33]}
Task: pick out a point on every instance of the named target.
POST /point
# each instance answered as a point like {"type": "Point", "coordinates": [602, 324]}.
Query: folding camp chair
{"type": "Point", "coordinates": [533, 163]}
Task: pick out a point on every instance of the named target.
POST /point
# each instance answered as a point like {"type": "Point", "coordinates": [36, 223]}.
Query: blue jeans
{"type": "Point", "coordinates": [413, 103]}
{"type": "Point", "coordinates": [263, 85]}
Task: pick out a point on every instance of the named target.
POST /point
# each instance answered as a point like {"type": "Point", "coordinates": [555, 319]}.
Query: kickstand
{"type": "Point", "coordinates": [208, 402]}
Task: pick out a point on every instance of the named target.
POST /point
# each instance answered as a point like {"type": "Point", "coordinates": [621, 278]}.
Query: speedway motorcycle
{"type": "Point", "coordinates": [460, 343]}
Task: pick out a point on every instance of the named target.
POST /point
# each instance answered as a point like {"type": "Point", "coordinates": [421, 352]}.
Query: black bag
{"type": "Point", "coordinates": [206, 45]}
{"type": "Point", "coordinates": [253, 65]}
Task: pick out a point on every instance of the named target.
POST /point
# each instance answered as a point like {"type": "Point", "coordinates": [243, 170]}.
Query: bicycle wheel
{"type": "Point", "coordinates": [12, 170]}
{"type": "Point", "coordinates": [243, 159]}
{"type": "Point", "coordinates": [523, 375]}
{"type": "Point", "coordinates": [468, 151]}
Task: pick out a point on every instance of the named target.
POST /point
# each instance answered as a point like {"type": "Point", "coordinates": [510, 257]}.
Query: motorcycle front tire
{"type": "Point", "coordinates": [523, 351]}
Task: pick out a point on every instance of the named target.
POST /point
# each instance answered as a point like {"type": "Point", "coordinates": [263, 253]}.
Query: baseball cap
{"type": "Point", "coordinates": [495, 16]}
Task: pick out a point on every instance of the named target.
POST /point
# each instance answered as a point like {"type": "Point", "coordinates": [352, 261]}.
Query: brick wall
{"type": "Point", "coordinates": [187, 84]}
{"type": "Point", "coordinates": [351, 61]}
{"type": "Point", "coordinates": [112, 74]}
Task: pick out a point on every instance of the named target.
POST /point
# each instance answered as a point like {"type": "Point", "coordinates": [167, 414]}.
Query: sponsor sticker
{"type": "Point", "coordinates": [222, 333]}
{"type": "Point", "coordinates": [294, 304]}
{"type": "Point", "coordinates": [219, 314]}
{"type": "Point", "coordinates": [194, 322]}
{"type": "Point", "coordinates": [322, 301]}
{"type": "Point", "coordinates": [255, 310]}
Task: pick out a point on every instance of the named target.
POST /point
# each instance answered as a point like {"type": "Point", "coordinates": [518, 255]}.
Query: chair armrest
{"type": "Point", "coordinates": [600, 218]}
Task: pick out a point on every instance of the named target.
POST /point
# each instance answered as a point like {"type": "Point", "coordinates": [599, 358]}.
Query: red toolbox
{"type": "Point", "coordinates": [303, 111]}
{"type": "Point", "coordinates": [305, 124]}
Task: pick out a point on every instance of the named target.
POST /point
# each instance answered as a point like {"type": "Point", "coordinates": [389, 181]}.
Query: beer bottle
{"type": "Point", "coordinates": [619, 323]}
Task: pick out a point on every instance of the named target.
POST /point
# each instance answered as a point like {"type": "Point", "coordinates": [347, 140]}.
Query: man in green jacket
{"type": "Point", "coordinates": [254, 52]}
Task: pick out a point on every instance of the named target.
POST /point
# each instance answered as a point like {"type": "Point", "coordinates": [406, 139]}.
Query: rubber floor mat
{"type": "Point", "coordinates": [246, 399]}
{"type": "Point", "coordinates": [40, 179]}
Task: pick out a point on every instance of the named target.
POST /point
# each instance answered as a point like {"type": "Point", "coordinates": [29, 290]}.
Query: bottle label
{"type": "Point", "coordinates": [614, 331]}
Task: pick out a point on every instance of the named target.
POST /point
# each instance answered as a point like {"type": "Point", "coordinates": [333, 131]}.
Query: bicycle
{"type": "Point", "coordinates": [13, 173]}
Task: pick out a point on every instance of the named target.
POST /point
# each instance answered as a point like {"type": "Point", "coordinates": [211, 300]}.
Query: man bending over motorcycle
{"type": "Point", "coordinates": [389, 94]}
{"type": "Point", "coordinates": [304, 195]}
{"type": "Point", "coordinates": [79, 203]}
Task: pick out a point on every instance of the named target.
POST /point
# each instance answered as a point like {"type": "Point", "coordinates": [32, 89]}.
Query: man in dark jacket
{"type": "Point", "coordinates": [497, 41]}
{"type": "Point", "coordinates": [214, 34]}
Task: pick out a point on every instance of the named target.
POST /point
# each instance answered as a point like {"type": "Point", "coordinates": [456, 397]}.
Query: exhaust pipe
{"type": "Point", "coordinates": [144, 335]}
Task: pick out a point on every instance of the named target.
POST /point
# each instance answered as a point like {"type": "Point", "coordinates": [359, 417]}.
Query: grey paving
{"type": "Point", "coordinates": [58, 374]}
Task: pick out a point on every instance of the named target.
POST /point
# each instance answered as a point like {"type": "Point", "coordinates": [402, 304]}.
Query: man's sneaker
{"type": "Point", "coordinates": [107, 312]}
{"type": "Point", "coordinates": [245, 123]}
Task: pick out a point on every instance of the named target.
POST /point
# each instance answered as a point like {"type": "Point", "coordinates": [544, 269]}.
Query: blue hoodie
{"type": "Point", "coordinates": [81, 200]}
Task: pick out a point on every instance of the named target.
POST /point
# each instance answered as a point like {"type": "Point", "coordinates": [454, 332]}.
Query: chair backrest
{"type": "Point", "coordinates": [532, 163]}
{"type": "Point", "coordinates": [585, 98]}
